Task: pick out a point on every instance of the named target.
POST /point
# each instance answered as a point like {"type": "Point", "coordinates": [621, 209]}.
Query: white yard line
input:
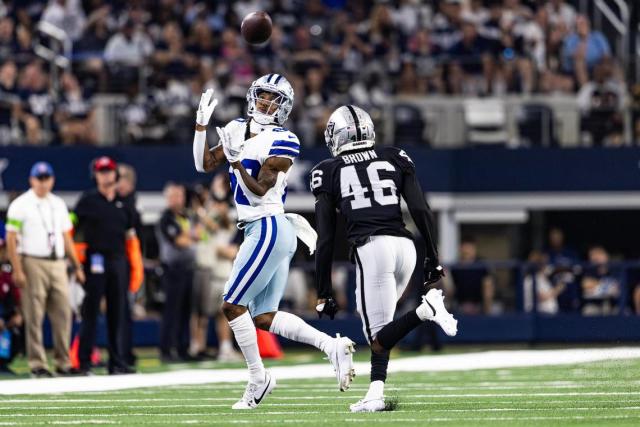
{"type": "Point", "coordinates": [296, 413]}
{"type": "Point", "coordinates": [454, 362]}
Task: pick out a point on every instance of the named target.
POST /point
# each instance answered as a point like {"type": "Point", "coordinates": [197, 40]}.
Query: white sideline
{"type": "Point", "coordinates": [452, 362]}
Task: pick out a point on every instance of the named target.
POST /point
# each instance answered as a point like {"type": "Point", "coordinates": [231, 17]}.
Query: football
{"type": "Point", "coordinates": [256, 27]}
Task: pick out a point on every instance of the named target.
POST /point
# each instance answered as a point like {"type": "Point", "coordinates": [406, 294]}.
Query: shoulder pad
{"type": "Point", "coordinates": [399, 157]}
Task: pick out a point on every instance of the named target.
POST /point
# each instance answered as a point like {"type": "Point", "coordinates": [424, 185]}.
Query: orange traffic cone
{"type": "Point", "coordinates": [269, 345]}
{"type": "Point", "coordinates": [74, 358]}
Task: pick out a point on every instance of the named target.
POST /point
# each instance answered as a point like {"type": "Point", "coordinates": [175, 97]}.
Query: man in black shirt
{"type": "Point", "coordinates": [105, 223]}
{"type": "Point", "coordinates": [365, 186]}
{"type": "Point", "coordinates": [176, 240]}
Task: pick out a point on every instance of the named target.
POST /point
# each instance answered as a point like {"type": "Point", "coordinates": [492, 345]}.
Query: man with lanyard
{"type": "Point", "coordinates": [105, 223]}
{"type": "Point", "coordinates": [38, 237]}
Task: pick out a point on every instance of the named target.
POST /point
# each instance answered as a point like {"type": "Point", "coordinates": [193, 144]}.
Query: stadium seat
{"type": "Point", "coordinates": [409, 125]}
{"type": "Point", "coordinates": [486, 121]}
{"type": "Point", "coordinates": [536, 125]}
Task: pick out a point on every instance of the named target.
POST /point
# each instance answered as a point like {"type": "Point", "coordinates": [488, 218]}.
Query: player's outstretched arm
{"type": "Point", "coordinates": [267, 177]}
{"type": "Point", "coordinates": [205, 160]}
{"type": "Point", "coordinates": [325, 226]}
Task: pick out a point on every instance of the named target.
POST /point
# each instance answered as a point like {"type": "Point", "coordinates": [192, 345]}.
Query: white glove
{"type": "Point", "coordinates": [232, 150]}
{"type": "Point", "coordinates": [206, 107]}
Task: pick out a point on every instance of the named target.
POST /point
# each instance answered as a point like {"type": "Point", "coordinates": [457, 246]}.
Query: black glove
{"type": "Point", "coordinates": [330, 308]}
{"type": "Point", "coordinates": [432, 272]}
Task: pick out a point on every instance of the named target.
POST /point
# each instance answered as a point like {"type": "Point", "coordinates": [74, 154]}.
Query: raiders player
{"type": "Point", "coordinates": [365, 185]}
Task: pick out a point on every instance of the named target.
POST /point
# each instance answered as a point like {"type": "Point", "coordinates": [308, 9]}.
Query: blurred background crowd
{"type": "Point", "coordinates": [61, 59]}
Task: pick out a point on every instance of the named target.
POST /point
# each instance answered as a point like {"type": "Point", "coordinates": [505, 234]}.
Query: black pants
{"type": "Point", "coordinates": [126, 332]}
{"type": "Point", "coordinates": [174, 331]}
{"type": "Point", "coordinates": [113, 284]}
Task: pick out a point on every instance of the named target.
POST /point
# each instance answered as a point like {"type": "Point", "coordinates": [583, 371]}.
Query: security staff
{"type": "Point", "coordinates": [38, 237]}
{"type": "Point", "coordinates": [176, 240]}
{"type": "Point", "coordinates": [105, 223]}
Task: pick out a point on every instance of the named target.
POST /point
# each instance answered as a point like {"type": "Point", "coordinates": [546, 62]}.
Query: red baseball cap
{"type": "Point", "coordinates": [104, 163]}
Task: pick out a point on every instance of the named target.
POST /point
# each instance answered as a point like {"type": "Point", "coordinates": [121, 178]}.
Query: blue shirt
{"type": "Point", "coordinates": [597, 48]}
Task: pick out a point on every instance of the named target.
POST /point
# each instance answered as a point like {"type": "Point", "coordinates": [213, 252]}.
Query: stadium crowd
{"type": "Point", "coordinates": [161, 55]}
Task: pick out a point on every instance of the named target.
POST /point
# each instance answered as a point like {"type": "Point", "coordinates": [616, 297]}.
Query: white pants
{"type": "Point", "coordinates": [384, 266]}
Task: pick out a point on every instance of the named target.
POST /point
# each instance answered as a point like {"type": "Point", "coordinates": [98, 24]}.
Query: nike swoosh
{"type": "Point", "coordinates": [265, 391]}
{"type": "Point", "coordinates": [431, 307]}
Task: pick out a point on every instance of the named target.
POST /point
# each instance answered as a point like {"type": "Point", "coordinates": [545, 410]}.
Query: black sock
{"type": "Point", "coordinates": [394, 331]}
{"type": "Point", "coordinates": [379, 364]}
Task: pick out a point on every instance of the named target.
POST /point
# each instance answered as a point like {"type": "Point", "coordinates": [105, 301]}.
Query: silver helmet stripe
{"type": "Point", "coordinates": [356, 123]}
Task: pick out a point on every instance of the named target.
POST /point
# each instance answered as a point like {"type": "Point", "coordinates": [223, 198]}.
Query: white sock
{"type": "Point", "coordinates": [245, 333]}
{"type": "Point", "coordinates": [376, 390]}
{"type": "Point", "coordinates": [294, 328]}
{"type": "Point", "coordinates": [226, 346]}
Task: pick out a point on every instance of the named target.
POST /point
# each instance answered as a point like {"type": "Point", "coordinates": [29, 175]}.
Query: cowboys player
{"type": "Point", "coordinates": [365, 184]}
{"type": "Point", "coordinates": [260, 153]}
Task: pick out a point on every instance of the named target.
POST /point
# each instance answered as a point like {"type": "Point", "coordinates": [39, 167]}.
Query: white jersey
{"type": "Point", "coordinates": [270, 141]}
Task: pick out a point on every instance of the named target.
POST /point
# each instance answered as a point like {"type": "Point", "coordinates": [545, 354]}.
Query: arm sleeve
{"type": "Point", "coordinates": [416, 202]}
{"type": "Point", "coordinates": [325, 225]}
{"type": "Point", "coordinates": [421, 214]}
{"type": "Point", "coordinates": [199, 142]}
{"type": "Point", "coordinates": [15, 217]}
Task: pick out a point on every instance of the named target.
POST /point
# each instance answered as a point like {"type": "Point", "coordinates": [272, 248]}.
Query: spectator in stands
{"type": "Point", "coordinates": [170, 56]}
{"type": "Point", "coordinates": [37, 107]}
{"type": "Point", "coordinates": [563, 259]}
{"type": "Point", "coordinates": [11, 321]}
{"type": "Point", "coordinates": [547, 287]}
{"type": "Point", "coordinates": [66, 15]}
{"type": "Point", "coordinates": [474, 286]}
{"type": "Point", "coordinates": [176, 239]}
{"type": "Point", "coordinates": [88, 50]}
{"type": "Point", "coordinates": [558, 253]}
{"type": "Point", "coordinates": [424, 58]}
{"type": "Point", "coordinates": [446, 24]}
{"type": "Point", "coordinates": [636, 298]}
{"type": "Point", "coordinates": [75, 114]}
{"type": "Point", "coordinates": [601, 101]}
{"type": "Point", "coordinates": [126, 51]}
{"type": "Point", "coordinates": [600, 286]}
{"type": "Point", "coordinates": [561, 12]}
{"type": "Point", "coordinates": [583, 49]}
{"type": "Point", "coordinates": [8, 44]}
{"type": "Point", "coordinates": [9, 100]}
{"type": "Point", "coordinates": [471, 68]}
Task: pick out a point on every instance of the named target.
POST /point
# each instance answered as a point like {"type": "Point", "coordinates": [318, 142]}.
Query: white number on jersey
{"type": "Point", "coordinates": [350, 186]}
{"type": "Point", "coordinates": [316, 179]}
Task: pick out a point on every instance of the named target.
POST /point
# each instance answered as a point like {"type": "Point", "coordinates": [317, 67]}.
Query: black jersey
{"type": "Point", "coordinates": [366, 187]}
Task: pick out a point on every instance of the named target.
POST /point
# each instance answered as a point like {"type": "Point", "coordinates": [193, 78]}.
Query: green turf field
{"type": "Point", "coordinates": [596, 394]}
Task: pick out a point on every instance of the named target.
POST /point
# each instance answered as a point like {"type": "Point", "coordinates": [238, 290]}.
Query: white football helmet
{"type": "Point", "coordinates": [349, 128]}
{"type": "Point", "coordinates": [274, 83]}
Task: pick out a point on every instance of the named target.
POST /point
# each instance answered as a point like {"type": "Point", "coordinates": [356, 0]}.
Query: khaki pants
{"type": "Point", "coordinates": [47, 291]}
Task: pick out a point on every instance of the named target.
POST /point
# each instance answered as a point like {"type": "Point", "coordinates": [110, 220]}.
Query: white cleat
{"type": "Point", "coordinates": [255, 393]}
{"type": "Point", "coordinates": [368, 405]}
{"type": "Point", "coordinates": [341, 357]}
{"type": "Point", "coordinates": [432, 308]}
